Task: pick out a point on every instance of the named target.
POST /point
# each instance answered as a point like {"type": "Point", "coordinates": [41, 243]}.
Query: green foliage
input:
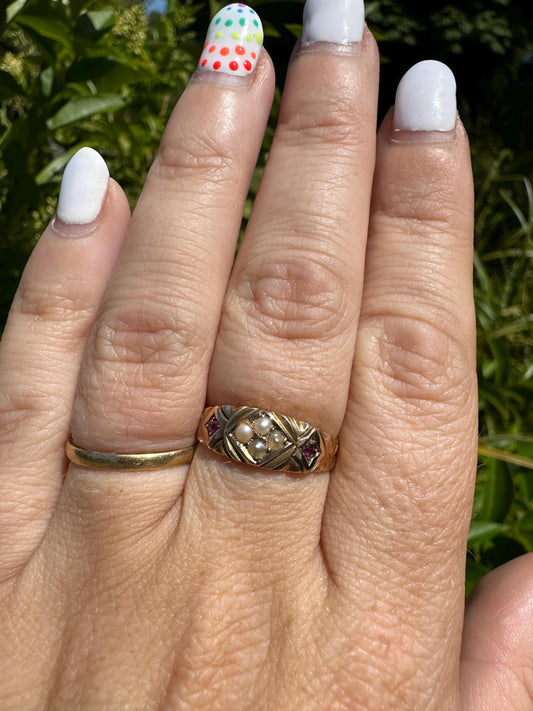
{"type": "Point", "coordinates": [503, 508]}
{"type": "Point", "coordinates": [102, 73]}
{"type": "Point", "coordinates": [85, 72]}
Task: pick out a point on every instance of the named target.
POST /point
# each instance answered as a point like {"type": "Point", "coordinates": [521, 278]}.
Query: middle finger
{"type": "Point", "coordinates": [288, 326]}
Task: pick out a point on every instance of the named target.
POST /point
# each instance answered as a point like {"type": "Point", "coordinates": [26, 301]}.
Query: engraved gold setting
{"type": "Point", "coordinates": [266, 439]}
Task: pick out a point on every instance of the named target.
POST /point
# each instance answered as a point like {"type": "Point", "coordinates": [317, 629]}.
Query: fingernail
{"type": "Point", "coordinates": [234, 41]}
{"type": "Point", "coordinates": [336, 21]}
{"type": "Point", "coordinates": [83, 188]}
{"type": "Point", "coordinates": [426, 99]}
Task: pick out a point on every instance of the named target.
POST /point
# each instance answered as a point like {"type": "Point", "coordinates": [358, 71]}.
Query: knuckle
{"type": "Point", "coordinates": [315, 226]}
{"type": "Point", "coordinates": [203, 152]}
{"type": "Point", "coordinates": [290, 299]}
{"type": "Point", "coordinates": [418, 362]}
{"type": "Point", "coordinates": [141, 336]}
{"type": "Point", "coordinates": [428, 198]}
{"type": "Point", "coordinates": [431, 220]}
{"type": "Point", "coordinates": [16, 412]}
{"type": "Point", "coordinates": [138, 359]}
{"type": "Point", "coordinates": [324, 122]}
{"type": "Point", "coordinates": [62, 302]}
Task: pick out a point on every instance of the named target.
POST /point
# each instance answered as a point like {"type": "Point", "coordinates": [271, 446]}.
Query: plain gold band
{"type": "Point", "coordinates": [128, 462]}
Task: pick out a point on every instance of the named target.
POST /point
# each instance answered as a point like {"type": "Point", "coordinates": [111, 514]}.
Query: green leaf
{"type": "Point", "coordinates": [498, 492]}
{"type": "Point", "coordinates": [108, 75]}
{"type": "Point", "coordinates": [81, 107]}
{"type": "Point", "coordinates": [55, 166]}
{"type": "Point", "coordinates": [14, 9]}
{"type": "Point", "coordinates": [524, 482]}
{"type": "Point", "coordinates": [525, 449]}
{"type": "Point", "coordinates": [483, 531]}
{"type": "Point", "coordinates": [47, 80]}
{"type": "Point", "coordinates": [96, 23]}
{"type": "Point", "coordinates": [48, 27]}
{"type": "Point", "coordinates": [474, 573]}
{"type": "Point", "coordinates": [515, 459]}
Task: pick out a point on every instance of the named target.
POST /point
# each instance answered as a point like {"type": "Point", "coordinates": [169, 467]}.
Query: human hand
{"type": "Point", "coordinates": [217, 585]}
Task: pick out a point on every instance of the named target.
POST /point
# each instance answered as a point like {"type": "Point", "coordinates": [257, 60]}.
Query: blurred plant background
{"type": "Point", "coordinates": [106, 73]}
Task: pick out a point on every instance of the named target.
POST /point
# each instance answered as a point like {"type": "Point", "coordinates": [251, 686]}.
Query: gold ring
{"type": "Point", "coordinates": [111, 461]}
{"type": "Point", "coordinates": [267, 439]}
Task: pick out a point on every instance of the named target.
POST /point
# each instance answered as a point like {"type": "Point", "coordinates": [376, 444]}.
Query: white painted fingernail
{"type": "Point", "coordinates": [426, 99]}
{"type": "Point", "coordinates": [83, 188]}
{"type": "Point", "coordinates": [234, 41]}
{"type": "Point", "coordinates": [337, 21]}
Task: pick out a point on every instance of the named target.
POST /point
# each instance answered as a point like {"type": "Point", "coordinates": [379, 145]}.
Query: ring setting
{"type": "Point", "coordinates": [266, 439]}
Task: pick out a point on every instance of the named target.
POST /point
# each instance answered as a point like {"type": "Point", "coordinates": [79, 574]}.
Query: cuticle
{"type": "Point", "coordinates": [73, 230]}
{"type": "Point", "coordinates": [351, 49]}
{"type": "Point", "coordinates": [422, 138]}
{"type": "Point", "coordinates": [202, 76]}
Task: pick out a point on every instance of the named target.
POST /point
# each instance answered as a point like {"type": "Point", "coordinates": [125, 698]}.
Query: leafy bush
{"type": "Point", "coordinates": [79, 73]}
{"type": "Point", "coordinates": [102, 73]}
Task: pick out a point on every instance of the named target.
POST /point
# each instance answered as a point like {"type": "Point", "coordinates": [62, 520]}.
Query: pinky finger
{"type": "Point", "coordinates": [40, 352]}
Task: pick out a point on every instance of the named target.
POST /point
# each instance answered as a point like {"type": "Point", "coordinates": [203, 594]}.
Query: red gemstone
{"type": "Point", "coordinates": [310, 449]}
{"type": "Point", "coordinates": [217, 65]}
{"type": "Point", "coordinates": [213, 425]}
{"type": "Point", "coordinates": [233, 66]}
{"type": "Point", "coordinates": [248, 66]}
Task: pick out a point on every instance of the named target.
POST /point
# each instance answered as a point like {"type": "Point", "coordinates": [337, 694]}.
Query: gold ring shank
{"type": "Point", "coordinates": [128, 462]}
{"type": "Point", "coordinates": [267, 439]}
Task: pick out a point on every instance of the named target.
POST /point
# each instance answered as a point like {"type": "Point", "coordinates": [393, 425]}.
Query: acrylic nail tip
{"type": "Point", "coordinates": [234, 41]}
{"type": "Point", "coordinates": [336, 21]}
{"type": "Point", "coordinates": [426, 98]}
{"type": "Point", "coordinates": [83, 188]}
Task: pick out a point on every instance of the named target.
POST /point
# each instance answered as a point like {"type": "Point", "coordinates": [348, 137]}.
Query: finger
{"type": "Point", "coordinates": [288, 326]}
{"type": "Point", "coordinates": [42, 345]}
{"type": "Point", "coordinates": [143, 378]}
{"type": "Point", "coordinates": [398, 507]}
{"type": "Point", "coordinates": [497, 653]}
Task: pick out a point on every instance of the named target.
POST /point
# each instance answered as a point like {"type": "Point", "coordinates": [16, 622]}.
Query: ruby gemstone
{"type": "Point", "coordinates": [310, 449]}
{"type": "Point", "coordinates": [213, 425]}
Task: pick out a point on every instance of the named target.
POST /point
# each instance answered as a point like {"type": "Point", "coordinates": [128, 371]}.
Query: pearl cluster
{"type": "Point", "coordinates": [259, 436]}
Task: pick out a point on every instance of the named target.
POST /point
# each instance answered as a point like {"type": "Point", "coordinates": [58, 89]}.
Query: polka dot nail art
{"type": "Point", "coordinates": [234, 41]}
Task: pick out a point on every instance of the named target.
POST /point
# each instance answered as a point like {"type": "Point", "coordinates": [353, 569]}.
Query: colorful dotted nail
{"type": "Point", "coordinates": [232, 39]}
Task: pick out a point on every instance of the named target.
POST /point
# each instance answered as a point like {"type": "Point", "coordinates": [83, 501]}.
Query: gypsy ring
{"type": "Point", "coordinates": [267, 439]}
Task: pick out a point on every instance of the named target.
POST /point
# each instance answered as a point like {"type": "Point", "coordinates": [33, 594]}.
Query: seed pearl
{"type": "Point", "coordinates": [244, 433]}
{"type": "Point", "coordinates": [262, 425]}
{"type": "Point", "coordinates": [276, 441]}
{"type": "Point", "coordinates": [257, 448]}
